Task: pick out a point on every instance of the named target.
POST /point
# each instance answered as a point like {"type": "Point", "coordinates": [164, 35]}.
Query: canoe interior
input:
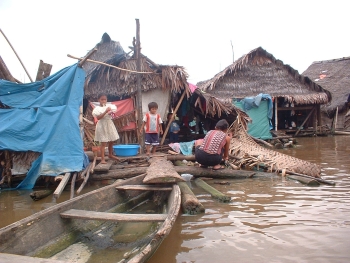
{"type": "Point", "coordinates": [47, 235]}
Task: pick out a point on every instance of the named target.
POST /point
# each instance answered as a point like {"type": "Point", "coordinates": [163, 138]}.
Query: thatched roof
{"type": "Point", "coordinates": [116, 82]}
{"type": "Point", "coordinates": [259, 72]}
{"type": "Point", "coordinates": [216, 108]}
{"type": "Point", "coordinates": [333, 75]}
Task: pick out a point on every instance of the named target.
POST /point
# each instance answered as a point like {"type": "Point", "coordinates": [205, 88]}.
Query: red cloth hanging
{"type": "Point", "coordinates": [123, 107]}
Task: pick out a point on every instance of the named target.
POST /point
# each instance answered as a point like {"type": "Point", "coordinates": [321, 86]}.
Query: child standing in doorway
{"type": "Point", "coordinates": [152, 125]}
{"type": "Point", "coordinates": [106, 132]}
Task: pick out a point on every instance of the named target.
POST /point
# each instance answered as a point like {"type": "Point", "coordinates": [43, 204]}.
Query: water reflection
{"type": "Point", "coordinates": [268, 219]}
{"type": "Point", "coordinates": [272, 220]}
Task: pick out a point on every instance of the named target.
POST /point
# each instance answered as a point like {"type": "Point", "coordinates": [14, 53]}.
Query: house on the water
{"type": "Point", "coordinates": [333, 75]}
{"type": "Point", "coordinates": [165, 84]}
{"type": "Point", "coordinates": [292, 100]}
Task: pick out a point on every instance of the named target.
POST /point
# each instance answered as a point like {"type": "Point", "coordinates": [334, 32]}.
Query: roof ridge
{"type": "Point", "coordinates": [331, 60]}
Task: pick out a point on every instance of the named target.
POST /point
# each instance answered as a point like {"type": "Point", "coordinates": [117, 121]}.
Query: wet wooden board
{"type": "Point", "coordinates": [92, 215]}
{"type": "Point", "coordinates": [103, 167]}
{"type": "Point", "coordinates": [143, 187]}
{"type": "Point", "coordinates": [61, 186]}
{"type": "Point", "coordinates": [10, 258]}
{"type": "Point", "coordinates": [161, 171]}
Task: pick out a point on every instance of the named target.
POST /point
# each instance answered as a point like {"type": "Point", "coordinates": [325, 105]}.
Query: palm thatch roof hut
{"type": "Point", "coordinates": [333, 75]}
{"type": "Point", "coordinates": [165, 84]}
{"type": "Point", "coordinates": [296, 98]}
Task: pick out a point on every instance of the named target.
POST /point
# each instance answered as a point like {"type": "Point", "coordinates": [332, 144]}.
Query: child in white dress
{"type": "Point", "coordinates": [106, 132]}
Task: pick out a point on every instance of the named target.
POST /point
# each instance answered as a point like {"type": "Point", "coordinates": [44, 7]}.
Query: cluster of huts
{"type": "Point", "coordinates": [258, 88]}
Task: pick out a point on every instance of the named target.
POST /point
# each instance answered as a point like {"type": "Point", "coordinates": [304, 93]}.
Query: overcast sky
{"type": "Point", "coordinates": [189, 33]}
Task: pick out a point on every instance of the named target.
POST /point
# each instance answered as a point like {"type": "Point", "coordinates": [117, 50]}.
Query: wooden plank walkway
{"type": "Point", "coordinates": [103, 167]}
{"type": "Point", "coordinates": [93, 215]}
{"type": "Point", "coordinates": [144, 187]}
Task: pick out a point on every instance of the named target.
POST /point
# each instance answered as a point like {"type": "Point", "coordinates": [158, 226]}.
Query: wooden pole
{"type": "Point", "coordinates": [336, 119]}
{"type": "Point", "coordinates": [276, 118]}
{"type": "Point", "coordinates": [138, 85]}
{"type": "Point", "coordinates": [111, 66]}
{"type": "Point", "coordinates": [44, 70]}
{"type": "Point", "coordinates": [308, 116]}
{"type": "Point", "coordinates": [72, 185]}
{"type": "Point", "coordinates": [5, 71]}
{"type": "Point", "coordinates": [91, 52]}
{"type": "Point", "coordinates": [172, 117]}
{"type": "Point", "coordinates": [86, 178]}
{"type": "Point", "coordinates": [16, 55]}
{"type": "Point", "coordinates": [61, 186]}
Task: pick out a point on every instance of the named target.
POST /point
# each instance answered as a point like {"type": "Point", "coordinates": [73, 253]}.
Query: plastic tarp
{"type": "Point", "coordinates": [260, 113]}
{"type": "Point", "coordinates": [43, 117]}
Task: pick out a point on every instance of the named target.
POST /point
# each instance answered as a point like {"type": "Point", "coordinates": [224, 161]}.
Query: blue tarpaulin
{"type": "Point", "coordinates": [43, 117]}
{"type": "Point", "coordinates": [259, 109]}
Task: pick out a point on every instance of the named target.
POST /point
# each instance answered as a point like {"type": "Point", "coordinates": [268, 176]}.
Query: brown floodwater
{"type": "Point", "coordinates": [270, 219]}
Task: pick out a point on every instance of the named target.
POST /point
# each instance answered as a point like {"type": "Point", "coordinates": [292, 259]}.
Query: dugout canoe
{"type": "Point", "coordinates": [106, 221]}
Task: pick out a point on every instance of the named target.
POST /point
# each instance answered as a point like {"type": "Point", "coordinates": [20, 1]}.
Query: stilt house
{"type": "Point", "coordinates": [296, 98]}
{"type": "Point", "coordinates": [333, 75]}
{"type": "Point", "coordinates": [165, 84]}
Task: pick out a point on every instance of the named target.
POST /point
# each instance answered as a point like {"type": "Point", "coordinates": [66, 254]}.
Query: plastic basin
{"type": "Point", "coordinates": [126, 149]}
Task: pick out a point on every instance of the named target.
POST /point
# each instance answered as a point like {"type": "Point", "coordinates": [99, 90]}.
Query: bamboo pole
{"type": "Point", "coordinates": [16, 55]}
{"type": "Point", "coordinates": [91, 52]}
{"type": "Point", "coordinates": [111, 66]}
{"type": "Point", "coordinates": [172, 117]}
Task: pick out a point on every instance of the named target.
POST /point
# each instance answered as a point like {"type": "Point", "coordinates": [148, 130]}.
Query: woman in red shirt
{"type": "Point", "coordinates": [214, 147]}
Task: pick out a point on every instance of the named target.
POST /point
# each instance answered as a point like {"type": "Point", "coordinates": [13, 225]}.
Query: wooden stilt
{"type": "Point", "coordinates": [88, 169]}
{"type": "Point", "coordinates": [61, 186]}
{"type": "Point", "coordinates": [72, 186]}
{"type": "Point", "coordinates": [172, 117]}
{"type": "Point", "coordinates": [308, 116]}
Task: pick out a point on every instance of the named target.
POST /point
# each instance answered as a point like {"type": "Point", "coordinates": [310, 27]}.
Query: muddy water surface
{"type": "Point", "coordinates": [268, 219]}
{"type": "Point", "coordinates": [272, 220]}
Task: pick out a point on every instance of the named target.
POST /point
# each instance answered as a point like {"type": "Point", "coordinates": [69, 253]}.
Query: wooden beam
{"type": "Point", "coordinates": [44, 70]}
{"type": "Point", "coordinates": [296, 108]}
{"type": "Point", "coordinates": [161, 171]}
{"type": "Point", "coordinates": [72, 185]}
{"type": "Point", "coordinates": [86, 178]}
{"type": "Point", "coordinates": [143, 187]}
{"type": "Point", "coordinates": [308, 116]}
{"type": "Point", "coordinates": [276, 117]}
{"type": "Point", "coordinates": [61, 186]}
{"type": "Point", "coordinates": [93, 215]}
{"type": "Point", "coordinates": [172, 117]}
{"type": "Point", "coordinates": [138, 85]}
{"type": "Point", "coordinates": [86, 57]}
{"type": "Point", "coordinates": [5, 71]}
